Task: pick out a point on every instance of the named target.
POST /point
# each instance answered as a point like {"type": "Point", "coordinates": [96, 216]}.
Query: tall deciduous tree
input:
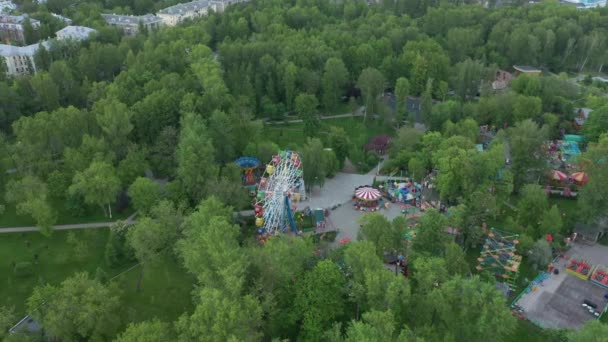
{"type": "Point", "coordinates": [340, 143]}
{"type": "Point", "coordinates": [313, 164]}
{"type": "Point", "coordinates": [551, 222]}
{"type": "Point", "coordinates": [594, 203]}
{"type": "Point", "coordinates": [402, 91]}
{"type": "Point", "coordinates": [470, 309]}
{"type": "Point", "coordinates": [195, 157]}
{"type": "Point", "coordinates": [78, 309]}
{"type": "Point", "coordinates": [210, 248]}
{"type": "Point", "coordinates": [386, 236]}
{"type": "Point", "coordinates": [306, 107]}
{"type": "Point", "coordinates": [593, 331]}
{"type": "Point", "coordinates": [431, 238]}
{"type": "Point", "coordinates": [114, 119]}
{"type": "Point", "coordinates": [335, 77]}
{"type": "Point", "coordinates": [372, 83]}
{"type": "Point", "coordinates": [531, 207]}
{"type": "Point", "coordinates": [596, 124]}
{"type": "Point", "coordinates": [455, 260]}
{"type": "Point", "coordinates": [525, 141]}
{"type": "Point", "coordinates": [221, 317]}
{"type": "Point", "coordinates": [98, 184]}
{"type": "Point", "coordinates": [30, 197]}
{"type": "Point", "coordinates": [152, 331]}
{"type": "Point", "coordinates": [320, 299]}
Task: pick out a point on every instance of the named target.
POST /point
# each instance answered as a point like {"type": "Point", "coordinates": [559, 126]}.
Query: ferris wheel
{"type": "Point", "coordinates": [280, 184]}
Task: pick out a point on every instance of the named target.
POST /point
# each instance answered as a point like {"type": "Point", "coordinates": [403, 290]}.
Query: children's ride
{"type": "Point", "coordinates": [281, 184]}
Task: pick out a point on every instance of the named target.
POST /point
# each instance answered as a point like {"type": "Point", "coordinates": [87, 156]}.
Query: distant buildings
{"type": "Point", "coordinates": [585, 4]}
{"type": "Point", "coordinates": [174, 15]}
{"type": "Point", "coordinates": [20, 59]}
{"type": "Point", "coordinates": [74, 33]}
{"type": "Point", "coordinates": [7, 7]}
{"type": "Point", "coordinates": [62, 18]}
{"type": "Point", "coordinates": [12, 27]}
{"type": "Point", "coordinates": [525, 69]}
{"type": "Point", "coordinates": [130, 24]}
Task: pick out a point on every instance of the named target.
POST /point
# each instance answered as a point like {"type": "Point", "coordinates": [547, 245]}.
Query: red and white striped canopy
{"type": "Point", "coordinates": [367, 194]}
{"type": "Point", "coordinates": [558, 175]}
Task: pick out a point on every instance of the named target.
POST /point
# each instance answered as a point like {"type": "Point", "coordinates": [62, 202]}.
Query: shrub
{"type": "Point", "coordinates": [23, 269]}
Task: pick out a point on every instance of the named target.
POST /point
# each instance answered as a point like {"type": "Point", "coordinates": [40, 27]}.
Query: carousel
{"type": "Point", "coordinates": [367, 198]}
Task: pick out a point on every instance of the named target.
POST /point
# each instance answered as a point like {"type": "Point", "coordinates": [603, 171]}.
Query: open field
{"type": "Point", "coordinates": [165, 289]}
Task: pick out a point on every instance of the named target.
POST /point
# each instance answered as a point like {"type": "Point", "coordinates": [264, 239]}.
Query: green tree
{"type": "Point", "coordinates": [340, 143]}
{"type": "Point", "coordinates": [221, 317]}
{"type": "Point", "coordinates": [152, 331]}
{"type": "Point", "coordinates": [374, 326]}
{"type": "Point", "coordinates": [78, 309]}
{"type": "Point", "coordinates": [551, 222]}
{"type": "Point", "coordinates": [426, 101]}
{"type": "Point", "coordinates": [306, 107]}
{"type": "Point", "coordinates": [133, 165]}
{"type": "Point", "coordinates": [30, 197]}
{"type": "Point", "coordinates": [290, 78]}
{"type": "Point", "coordinates": [431, 238]}
{"type": "Point", "coordinates": [278, 267]}
{"type": "Point", "coordinates": [467, 78]}
{"type": "Point", "coordinates": [210, 249]}
{"type": "Point", "coordinates": [386, 236]}
{"type": "Point", "coordinates": [221, 130]}
{"type": "Point", "coordinates": [313, 164]}
{"type": "Point", "coordinates": [528, 85]}
{"type": "Point", "coordinates": [98, 184]}
{"type": "Point", "coordinates": [402, 92]}
{"type": "Point", "coordinates": [372, 83]}
{"type": "Point", "coordinates": [527, 107]}
{"type": "Point", "coordinates": [7, 319]}
{"type": "Point", "coordinates": [319, 300]}
{"type": "Point", "coordinates": [540, 255]}
{"type": "Point", "coordinates": [470, 309]}
{"type": "Point", "coordinates": [335, 77]}
{"type": "Point", "coordinates": [596, 124]}
{"type": "Point", "coordinates": [45, 91]}
{"type": "Point", "coordinates": [195, 156]}
{"type": "Point", "coordinates": [455, 260]}
{"type": "Point", "coordinates": [525, 141]}
{"type": "Point", "coordinates": [149, 241]}
{"type": "Point", "coordinates": [531, 207]}
{"type": "Point", "coordinates": [114, 119]}
{"type": "Point", "coordinates": [592, 331]}
{"type": "Point", "coordinates": [593, 204]}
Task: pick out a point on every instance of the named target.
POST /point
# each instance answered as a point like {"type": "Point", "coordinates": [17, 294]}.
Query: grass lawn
{"type": "Point", "coordinates": [165, 288]}
{"type": "Point", "coordinates": [359, 132]}
{"type": "Point", "coordinates": [92, 214]}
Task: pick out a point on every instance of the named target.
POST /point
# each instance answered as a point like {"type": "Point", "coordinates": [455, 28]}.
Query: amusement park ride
{"type": "Point", "coordinates": [280, 184]}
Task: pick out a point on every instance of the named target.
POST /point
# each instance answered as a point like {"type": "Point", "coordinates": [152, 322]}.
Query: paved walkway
{"type": "Point", "coordinates": [347, 115]}
{"type": "Point", "coordinates": [129, 220]}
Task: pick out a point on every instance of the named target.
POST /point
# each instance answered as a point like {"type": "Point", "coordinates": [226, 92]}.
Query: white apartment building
{"type": "Point", "coordinates": [130, 23]}
{"type": "Point", "coordinates": [20, 59]}
{"type": "Point", "coordinates": [62, 18]}
{"type": "Point", "coordinates": [7, 7]}
{"type": "Point", "coordinates": [74, 33]}
{"type": "Point", "coordinates": [11, 27]}
{"type": "Point", "coordinates": [220, 5]}
{"type": "Point", "coordinates": [176, 14]}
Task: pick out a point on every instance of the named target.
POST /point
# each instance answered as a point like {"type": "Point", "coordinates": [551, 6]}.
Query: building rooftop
{"type": "Point", "coordinates": [526, 68]}
{"type": "Point", "coordinates": [185, 7]}
{"type": "Point", "coordinates": [62, 18]}
{"type": "Point", "coordinates": [7, 6]}
{"type": "Point", "coordinates": [130, 19]}
{"type": "Point", "coordinates": [75, 32]}
{"type": "Point", "coordinates": [30, 50]}
{"type": "Point", "coordinates": [17, 19]}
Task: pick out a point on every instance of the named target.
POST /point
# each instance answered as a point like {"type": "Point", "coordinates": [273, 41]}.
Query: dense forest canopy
{"type": "Point", "coordinates": [182, 103]}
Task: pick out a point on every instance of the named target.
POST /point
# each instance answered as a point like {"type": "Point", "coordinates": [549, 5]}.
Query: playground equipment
{"type": "Point", "coordinates": [280, 184]}
{"type": "Point", "coordinates": [498, 256]}
{"type": "Point", "coordinates": [600, 277]}
{"type": "Point", "coordinates": [248, 164]}
{"type": "Point", "coordinates": [367, 198]}
{"type": "Point", "coordinates": [319, 218]}
{"type": "Point", "coordinates": [579, 268]}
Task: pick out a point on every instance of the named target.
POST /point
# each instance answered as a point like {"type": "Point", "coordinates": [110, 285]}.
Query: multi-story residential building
{"type": "Point", "coordinates": [176, 14]}
{"type": "Point", "coordinates": [130, 24]}
{"type": "Point", "coordinates": [220, 5]}
{"type": "Point", "coordinates": [20, 59]}
{"type": "Point", "coordinates": [584, 4]}
{"type": "Point", "coordinates": [12, 27]}
{"type": "Point", "coordinates": [7, 6]}
{"type": "Point", "coordinates": [74, 33]}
